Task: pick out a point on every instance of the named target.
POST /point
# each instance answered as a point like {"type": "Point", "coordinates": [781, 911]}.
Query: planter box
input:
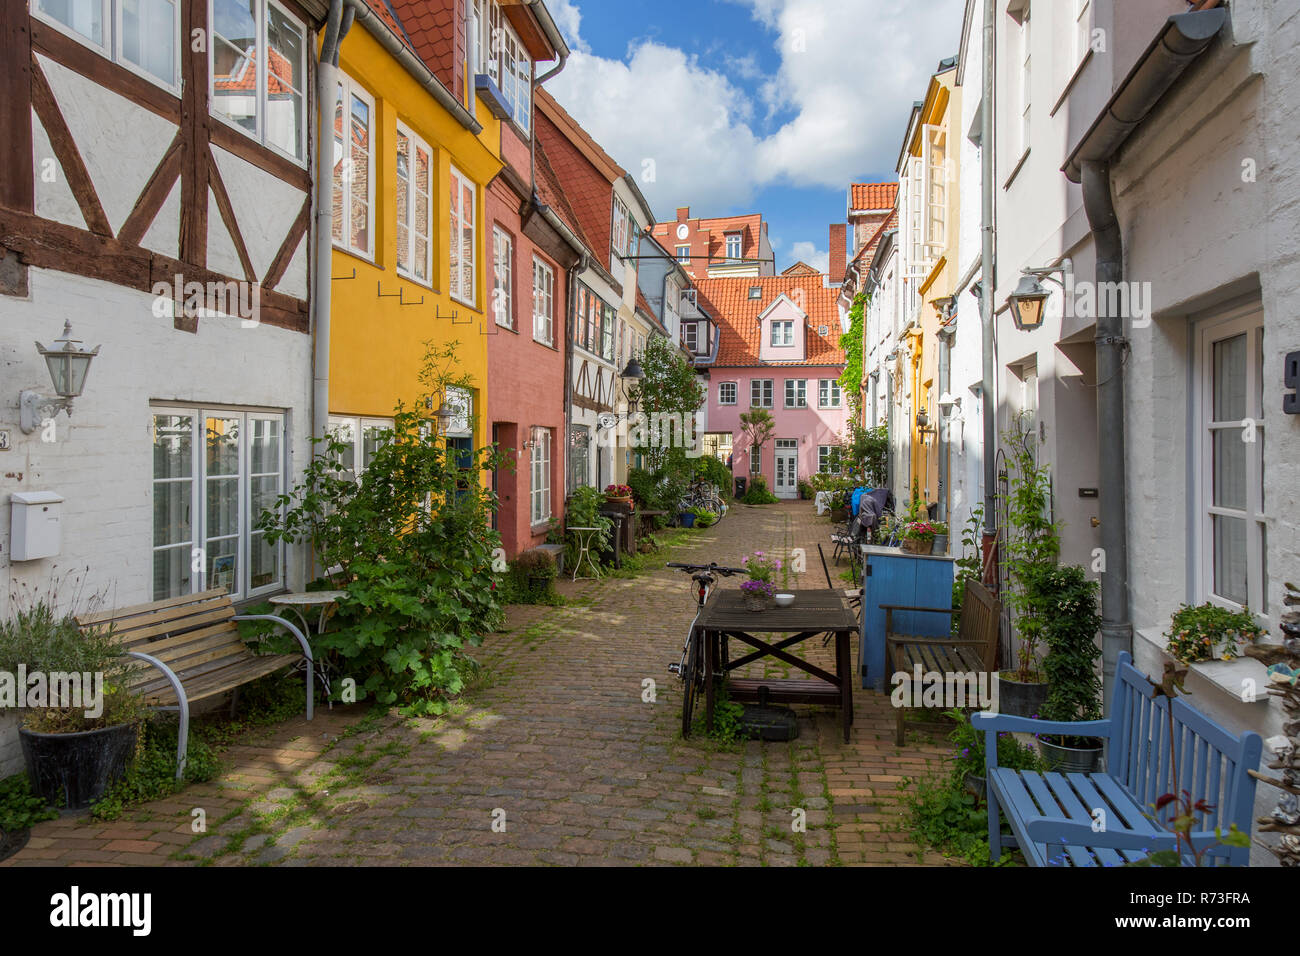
{"type": "Point", "coordinates": [72, 771]}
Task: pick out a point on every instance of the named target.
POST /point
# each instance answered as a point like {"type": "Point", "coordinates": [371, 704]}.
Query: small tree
{"type": "Point", "coordinates": [670, 388]}
{"type": "Point", "coordinates": [757, 425]}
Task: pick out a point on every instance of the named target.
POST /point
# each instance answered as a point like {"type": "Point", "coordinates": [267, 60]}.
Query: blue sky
{"type": "Point", "coordinates": [733, 106]}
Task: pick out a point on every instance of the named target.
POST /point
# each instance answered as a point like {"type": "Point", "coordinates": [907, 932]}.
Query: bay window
{"type": "Point", "coordinates": [496, 51]}
{"type": "Point", "coordinates": [141, 35]}
{"type": "Point", "coordinates": [214, 472]}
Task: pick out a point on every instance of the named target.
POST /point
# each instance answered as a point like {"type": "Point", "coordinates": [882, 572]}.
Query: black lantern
{"type": "Point", "coordinates": [1027, 303]}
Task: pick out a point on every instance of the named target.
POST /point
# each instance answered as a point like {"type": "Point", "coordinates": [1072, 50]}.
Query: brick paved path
{"type": "Point", "coordinates": [554, 759]}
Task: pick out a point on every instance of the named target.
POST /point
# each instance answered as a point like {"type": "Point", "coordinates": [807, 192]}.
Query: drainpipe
{"type": "Point", "coordinates": [327, 72]}
{"type": "Point", "coordinates": [574, 271]}
{"type": "Point", "coordinates": [989, 276]}
{"type": "Point", "coordinates": [945, 373]}
{"type": "Point", "coordinates": [1184, 38]}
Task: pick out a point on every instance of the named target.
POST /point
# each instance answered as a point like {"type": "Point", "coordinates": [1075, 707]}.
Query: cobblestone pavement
{"type": "Point", "coordinates": [554, 759]}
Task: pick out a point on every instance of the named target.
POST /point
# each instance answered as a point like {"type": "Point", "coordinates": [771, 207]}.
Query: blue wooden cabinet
{"type": "Point", "coordinates": [891, 576]}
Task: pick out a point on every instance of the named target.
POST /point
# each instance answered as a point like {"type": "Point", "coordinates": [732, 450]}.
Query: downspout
{"type": "Point", "coordinates": [1184, 38]}
{"type": "Point", "coordinates": [945, 362]}
{"type": "Point", "coordinates": [989, 276]}
{"type": "Point", "coordinates": [327, 71]}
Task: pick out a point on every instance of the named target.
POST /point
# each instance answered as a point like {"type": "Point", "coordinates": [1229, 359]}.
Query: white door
{"type": "Point", "coordinates": [787, 468]}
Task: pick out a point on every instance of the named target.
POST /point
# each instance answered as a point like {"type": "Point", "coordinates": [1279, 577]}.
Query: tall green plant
{"type": "Point", "coordinates": [851, 344]}
{"type": "Point", "coordinates": [410, 541]}
{"type": "Point", "coordinates": [1033, 544]}
{"type": "Point", "coordinates": [758, 426]}
{"type": "Point", "coordinates": [1068, 627]}
{"type": "Point", "coordinates": [670, 387]}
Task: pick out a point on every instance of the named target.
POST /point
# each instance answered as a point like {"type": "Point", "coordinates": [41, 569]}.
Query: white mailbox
{"type": "Point", "coordinates": [35, 525]}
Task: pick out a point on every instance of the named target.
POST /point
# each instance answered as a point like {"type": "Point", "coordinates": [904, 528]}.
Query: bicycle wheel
{"type": "Point", "coordinates": [692, 679]}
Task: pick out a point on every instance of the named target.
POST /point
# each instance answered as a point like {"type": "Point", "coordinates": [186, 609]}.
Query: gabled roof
{"type": "Point", "coordinates": [552, 195]}
{"type": "Point", "coordinates": [800, 268]}
{"type": "Point", "coordinates": [868, 247]}
{"type": "Point", "coordinates": [872, 195]}
{"type": "Point", "coordinates": [739, 328]}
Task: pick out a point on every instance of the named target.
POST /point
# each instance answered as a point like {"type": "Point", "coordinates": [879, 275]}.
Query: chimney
{"type": "Point", "coordinates": [839, 252]}
{"type": "Point", "coordinates": [683, 213]}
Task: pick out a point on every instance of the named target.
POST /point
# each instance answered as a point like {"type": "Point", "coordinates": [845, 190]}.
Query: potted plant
{"type": "Point", "coordinates": [968, 761]}
{"type": "Point", "coordinates": [535, 571]}
{"type": "Point", "coordinates": [620, 495]}
{"type": "Point", "coordinates": [918, 537]}
{"type": "Point", "coordinates": [940, 545]}
{"type": "Point", "coordinates": [1210, 632]}
{"type": "Point", "coordinates": [760, 589]}
{"type": "Point", "coordinates": [686, 519]}
{"type": "Point", "coordinates": [703, 517]}
{"type": "Point", "coordinates": [1023, 690]}
{"type": "Point", "coordinates": [1069, 631]}
{"type": "Point", "coordinates": [80, 728]}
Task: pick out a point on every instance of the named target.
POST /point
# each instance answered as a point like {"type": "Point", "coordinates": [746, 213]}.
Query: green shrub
{"type": "Point", "coordinates": [19, 807]}
{"type": "Point", "coordinates": [710, 469]}
{"type": "Point", "coordinates": [757, 493]}
{"type": "Point", "coordinates": [531, 579]}
{"type": "Point", "coordinates": [583, 511]}
{"type": "Point", "coordinates": [805, 490]}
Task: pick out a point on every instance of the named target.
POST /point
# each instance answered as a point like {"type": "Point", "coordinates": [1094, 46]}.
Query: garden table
{"type": "Point", "coordinates": [585, 536]}
{"type": "Point", "coordinates": [814, 612]}
{"type": "Point", "coordinates": [300, 603]}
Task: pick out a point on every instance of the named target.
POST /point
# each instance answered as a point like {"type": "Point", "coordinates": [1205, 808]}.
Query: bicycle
{"type": "Point", "coordinates": [690, 669]}
{"type": "Point", "coordinates": [703, 494]}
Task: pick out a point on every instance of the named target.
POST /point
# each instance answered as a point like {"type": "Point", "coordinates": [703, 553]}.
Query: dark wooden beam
{"type": "Point", "coordinates": [101, 70]}
{"type": "Point", "coordinates": [290, 245]}
{"type": "Point", "coordinates": [153, 196]}
{"type": "Point", "coordinates": [247, 149]}
{"type": "Point", "coordinates": [55, 245]}
{"type": "Point", "coordinates": [194, 137]}
{"type": "Point", "coordinates": [227, 211]}
{"type": "Point", "coordinates": [65, 150]}
{"type": "Point", "coordinates": [17, 188]}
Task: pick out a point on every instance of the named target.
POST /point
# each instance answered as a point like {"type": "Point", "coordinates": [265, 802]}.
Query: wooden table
{"type": "Point", "coordinates": [814, 613]}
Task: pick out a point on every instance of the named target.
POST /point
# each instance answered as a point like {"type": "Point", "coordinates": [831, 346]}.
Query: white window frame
{"type": "Point", "coordinates": [417, 145]}
{"type": "Point", "coordinates": [496, 51]}
{"type": "Point", "coordinates": [722, 393]}
{"type": "Point", "coordinates": [829, 388]}
{"type": "Point", "coordinates": [359, 427]}
{"type": "Point", "coordinates": [1248, 320]}
{"type": "Point", "coordinates": [934, 143]}
{"type": "Point", "coordinates": [734, 245]}
{"type": "Point", "coordinates": [824, 454]}
{"type": "Point", "coordinates": [454, 227]}
{"type": "Point", "coordinates": [622, 230]}
{"type": "Point", "coordinates": [110, 17]}
{"type": "Point", "coordinates": [684, 254]}
{"type": "Point", "coordinates": [349, 88]}
{"type": "Point", "coordinates": [245, 530]}
{"type": "Point", "coordinates": [1082, 29]}
{"type": "Point", "coordinates": [782, 333]}
{"type": "Point", "coordinates": [543, 302]}
{"type": "Point", "coordinates": [800, 393]}
{"type": "Point", "coordinates": [1025, 91]}
{"type": "Point", "coordinates": [764, 389]}
{"type": "Point", "coordinates": [691, 335]}
{"type": "Point", "coordinates": [503, 277]}
{"type": "Point", "coordinates": [539, 462]}
{"type": "Point", "coordinates": [263, 43]}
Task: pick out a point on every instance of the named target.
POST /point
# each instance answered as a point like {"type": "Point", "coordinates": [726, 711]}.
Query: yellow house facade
{"type": "Point", "coordinates": [410, 261]}
{"type": "Point", "coordinates": [928, 216]}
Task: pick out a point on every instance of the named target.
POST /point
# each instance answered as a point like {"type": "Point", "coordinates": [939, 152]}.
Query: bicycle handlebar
{"type": "Point", "coordinates": [712, 566]}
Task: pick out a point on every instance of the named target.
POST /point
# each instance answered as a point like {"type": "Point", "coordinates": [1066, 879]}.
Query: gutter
{"type": "Point", "coordinates": [1183, 39]}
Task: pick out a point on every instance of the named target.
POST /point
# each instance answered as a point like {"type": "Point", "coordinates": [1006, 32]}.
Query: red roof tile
{"type": "Point", "coordinates": [589, 191]}
{"type": "Point", "coordinates": [872, 195]}
{"type": "Point", "coordinates": [550, 193]}
{"type": "Point", "coordinates": [436, 32]}
{"type": "Point", "coordinates": [739, 330]}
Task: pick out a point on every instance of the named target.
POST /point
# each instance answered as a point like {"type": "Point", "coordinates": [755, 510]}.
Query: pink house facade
{"type": "Point", "coordinates": [776, 349]}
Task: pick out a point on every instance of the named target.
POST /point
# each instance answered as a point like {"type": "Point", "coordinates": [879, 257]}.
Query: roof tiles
{"type": "Point", "coordinates": [739, 330]}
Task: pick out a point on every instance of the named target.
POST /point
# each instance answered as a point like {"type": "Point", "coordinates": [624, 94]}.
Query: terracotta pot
{"type": "Point", "coordinates": [918, 545]}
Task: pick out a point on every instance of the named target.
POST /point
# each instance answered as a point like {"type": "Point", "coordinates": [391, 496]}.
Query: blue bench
{"type": "Point", "coordinates": [1053, 815]}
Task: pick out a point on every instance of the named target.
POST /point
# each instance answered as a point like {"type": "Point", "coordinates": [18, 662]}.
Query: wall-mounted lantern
{"type": "Point", "coordinates": [68, 365]}
{"type": "Point", "coordinates": [1031, 295]}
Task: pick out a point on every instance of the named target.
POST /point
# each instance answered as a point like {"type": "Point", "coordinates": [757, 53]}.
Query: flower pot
{"type": "Point", "coordinates": [757, 601]}
{"type": "Point", "coordinates": [1020, 699]}
{"type": "Point", "coordinates": [686, 519]}
{"type": "Point", "coordinates": [1071, 759]}
{"type": "Point", "coordinates": [72, 771]}
{"type": "Point", "coordinates": [940, 544]}
{"type": "Point", "coordinates": [918, 545]}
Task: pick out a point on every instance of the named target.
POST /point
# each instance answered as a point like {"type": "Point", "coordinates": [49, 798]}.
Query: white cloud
{"type": "Point", "coordinates": [849, 72]}
{"type": "Point", "coordinates": [808, 252]}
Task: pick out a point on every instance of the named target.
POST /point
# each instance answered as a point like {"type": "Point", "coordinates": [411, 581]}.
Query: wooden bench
{"type": "Point", "coordinates": [193, 650]}
{"type": "Point", "coordinates": [972, 651]}
{"type": "Point", "coordinates": [1054, 817]}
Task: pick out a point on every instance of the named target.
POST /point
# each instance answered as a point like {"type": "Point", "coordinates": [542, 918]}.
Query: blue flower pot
{"type": "Point", "coordinates": [686, 519]}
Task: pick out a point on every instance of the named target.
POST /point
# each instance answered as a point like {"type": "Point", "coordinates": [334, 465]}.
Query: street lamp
{"type": "Point", "coordinates": [1030, 296]}
{"type": "Point", "coordinates": [631, 374]}
{"type": "Point", "coordinates": [68, 366]}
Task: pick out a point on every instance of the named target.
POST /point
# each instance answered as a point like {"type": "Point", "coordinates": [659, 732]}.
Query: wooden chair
{"type": "Point", "coordinates": [973, 651]}
{"type": "Point", "coordinates": [190, 650]}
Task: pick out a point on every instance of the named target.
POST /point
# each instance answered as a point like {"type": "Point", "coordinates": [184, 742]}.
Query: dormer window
{"type": "Point", "coordinates": [783, 333]}
{"type": "Point", "coordinates": [733, 245]}
{"type": "Point", "coordinates": [756, 292]}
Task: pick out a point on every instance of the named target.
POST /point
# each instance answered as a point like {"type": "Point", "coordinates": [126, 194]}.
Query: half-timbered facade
{"type": "Point", "coordinates": [156, 194]}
